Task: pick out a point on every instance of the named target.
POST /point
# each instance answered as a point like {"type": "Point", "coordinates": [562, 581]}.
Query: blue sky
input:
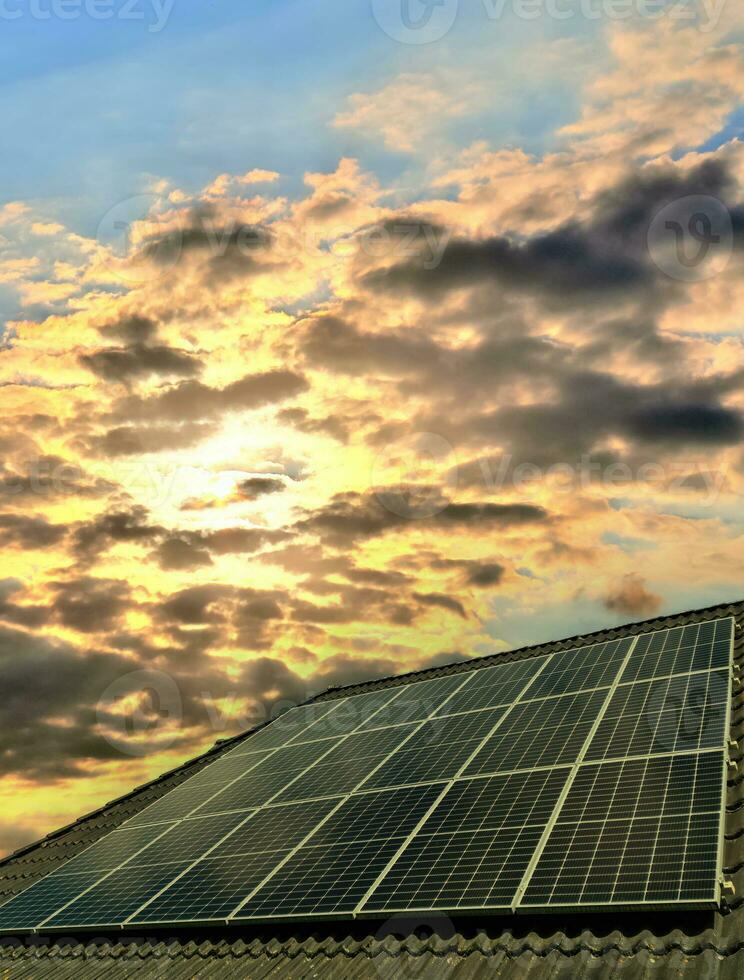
{"type": "Point", "coordinates": [94, 107]}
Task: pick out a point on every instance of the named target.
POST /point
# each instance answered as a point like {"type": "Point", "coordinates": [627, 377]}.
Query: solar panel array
{"type": "Point", "coordinates": [583, 778]}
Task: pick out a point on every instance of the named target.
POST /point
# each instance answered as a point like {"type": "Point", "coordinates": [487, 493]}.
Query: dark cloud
{"type": "Point", "coordinates": [597, 261]}
{"type": "Point", "coordinates": [182, 551]}
{"type": "Point", "coordinates": [130, 329]}
{"type": "Point", "coordinates": [137, 361]}
{"type": "Point", "coordinates": [688, 424]}
{"type": "Point", "coordinates": [131, 440]}
{"type": "Point", "coordinates": [114, 527]}
{"type": "Point", "coordinates": [351, 515]}
{"type": "Point", "coordinates": [13, 612]}
{"type": "Point", "coordinates": [257, 486]}
{"type": "Point", "coordinates": [190, 401]}
{"type": "Point", "coordinates": [631, 597]}
{"type": "Point", "coordinates": [484, 574]}
{"type": "Point", "coordinates": [196, 605]}
{"type": "Point", "coordinates": [442, 602]}
{"type": "Point", "coordinates": [45, 477]}
{"type": "Point", "coordinates": [301, 420]}
{"type": "Point", "coordinates": [90, 605]}
{"type": "Point", "coordinates": [17, 531]}
{"type": "Point", "coordinates": [226, 248]}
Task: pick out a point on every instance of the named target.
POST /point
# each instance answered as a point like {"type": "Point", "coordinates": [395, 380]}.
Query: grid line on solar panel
{"type": "Point", "coordinates": [351, 714]}
{"type": "Point", "coordinates": [276, 828]}
{"type": "Point", "coordinates": [115, 848]}
{"type": "Point", "coordinates": [687, 711]}
{"type": "Point", "coordinates": [682, 649]}
{"type": "Point", "coordinates": [280, 731]}
{"type": "Point", "coordinates": [186, 798]}
{"type": "Point", "coordinates": [384, 813]}
{"type": "Point", "coordinates": [635, 798]}
{"type": "Point", "coordinates": [495, 802]}
{"type": "Point", "coordinates": [589, 735]}
{"type": "Point", "coordinates": [140, 880]}
{"type": "Point", "coordinates": [32, 906]}
{"type": "Point", "coordinates": [437, 861]}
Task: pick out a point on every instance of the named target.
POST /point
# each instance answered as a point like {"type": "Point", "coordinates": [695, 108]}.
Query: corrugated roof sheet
{"type": "Point", "coordinates": [661, 946]}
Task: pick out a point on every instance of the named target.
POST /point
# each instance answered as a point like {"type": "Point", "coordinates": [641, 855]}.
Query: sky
{"type": "Point", "coordinates": [342, 340]}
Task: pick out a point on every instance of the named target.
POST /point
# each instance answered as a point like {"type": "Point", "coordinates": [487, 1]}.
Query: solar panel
{"type": "Point", "coordinates": [677, 714]}
{"type": "Point", "coordinates": [701, 646]}
{"type": "Point", "coordinates": [587, 778]}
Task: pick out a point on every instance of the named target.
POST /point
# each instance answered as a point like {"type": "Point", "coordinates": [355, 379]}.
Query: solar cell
{"type": "Point", "coordinates": [418, 700]}
{"type": "Point", "coordinates": [367, 816]}
{"type": "Point", "coordinates": [655, 786]}
{"type": "Point", "coordinates": [250, 791]}
{"type": "Point", "coordinates": [115, 849]}
{"type": "Point", "coordinates": [31, 907]}
{"type": "Point", "coordinates": [287, 726]}
{"type": "Point", "coordinates": [421, 758]}
{"type": "Point", "coordinates": [495, 802]}
{"type": "Point", "coordinates": [362, 710]}
{"type": "Point", "coordinates": [275, 828]}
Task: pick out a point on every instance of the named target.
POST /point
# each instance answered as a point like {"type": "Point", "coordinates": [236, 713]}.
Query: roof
{"type": "Point", "coordinates": [612, 946]}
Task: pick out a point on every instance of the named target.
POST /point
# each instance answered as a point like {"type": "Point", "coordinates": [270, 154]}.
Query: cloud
{"type": "Point", "coordinates": [410, 109]}
{"type": "Point", "coordinates": [126, 363]}
{"type": "Point", "coordinates": [349, 516]}
{"type": "Point", "coordinates": [191, 401]}
{"type": "Point", "coordinates": [17, 531]}
{"type": "Point", "coordinates": [442, 601]}
{"type": "Point", "coordinates": [631, 597]}
{"type": "Point", "coordinates": [258, 486]}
